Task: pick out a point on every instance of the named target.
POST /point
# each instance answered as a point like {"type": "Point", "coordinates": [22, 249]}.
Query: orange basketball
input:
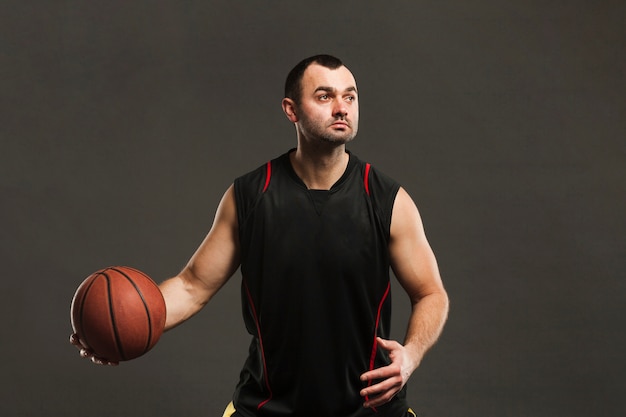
{"type": "Point", "coordinates": [118, 313]}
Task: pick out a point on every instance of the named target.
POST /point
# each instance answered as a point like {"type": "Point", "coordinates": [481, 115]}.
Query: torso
{"type": "Point", "coordinates": [315, 290]}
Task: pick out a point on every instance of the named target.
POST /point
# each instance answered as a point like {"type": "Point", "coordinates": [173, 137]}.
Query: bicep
{"type": "Point", "coordinates": [412, 258]}
{"type": "Point", "coordinates": [217, 258]}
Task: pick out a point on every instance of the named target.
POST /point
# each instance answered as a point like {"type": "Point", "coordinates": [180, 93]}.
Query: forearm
{"type": "Point", "coordinates": [182, 299]}
{"type": "Point", "coordinates": [425, 325]}
{"type": "Point", "coordinates": [426, 322]}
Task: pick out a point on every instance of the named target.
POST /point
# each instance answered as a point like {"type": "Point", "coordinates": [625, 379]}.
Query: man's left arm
{"type": "Point", "coordinates": [415, 267]}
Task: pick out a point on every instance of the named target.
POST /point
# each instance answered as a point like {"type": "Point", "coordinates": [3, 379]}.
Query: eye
{"type": "Point", "coordinates": [323, 97]}
{"type": "Point", "coordinates": [350, 98]}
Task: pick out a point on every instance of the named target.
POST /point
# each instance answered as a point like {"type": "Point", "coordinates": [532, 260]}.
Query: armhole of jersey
{"type": "Point", "coordinates": [268, 175]}
{"type": "Point", "coordinates": [383, 209]}
{"type": "Point", "coordinates": [366, 178]}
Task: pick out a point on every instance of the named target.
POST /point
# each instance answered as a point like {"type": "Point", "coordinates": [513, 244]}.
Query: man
{"type": "Point", "coordinates": [315, 232]}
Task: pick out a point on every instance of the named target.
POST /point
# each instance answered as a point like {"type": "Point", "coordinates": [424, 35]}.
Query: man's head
{"type": "Point", "coordinates": [293, 83]}
{"type": "Point", "coordinates": [321, 100]}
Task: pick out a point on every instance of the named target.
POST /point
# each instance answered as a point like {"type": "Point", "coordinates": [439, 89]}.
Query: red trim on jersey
{"type": "Point", "coordinates": [258, 328]}
{"type": "Point", "coordinates": [366, 177]}
{"type": "Point", "coordinates": [375, 343]}
{"type": "Point", "coordinates": [268, 175]}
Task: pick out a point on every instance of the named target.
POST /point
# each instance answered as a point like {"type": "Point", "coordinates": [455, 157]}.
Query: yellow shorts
{"type": "Point", "coordinates": [230, 410]}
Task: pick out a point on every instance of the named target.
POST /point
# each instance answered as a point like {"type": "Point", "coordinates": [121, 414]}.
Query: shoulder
{"type": "Point", "coordinates": [248, 188]}
{"type": "Point", "coordinates": [378, 180]}
{"type": "Point", "coordinates": [249, 182]}
{"type": "Point", "coordinates": [381, 188]}
{"type": "Point", "coordinates": [254, 182]}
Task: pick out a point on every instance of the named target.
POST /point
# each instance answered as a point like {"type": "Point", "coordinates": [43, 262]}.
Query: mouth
{"type": "Point", "coordinates": [340, 124]}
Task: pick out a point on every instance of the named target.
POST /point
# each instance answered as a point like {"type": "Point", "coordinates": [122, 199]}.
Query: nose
{"type": "Point", "coordinates": [340, 109]}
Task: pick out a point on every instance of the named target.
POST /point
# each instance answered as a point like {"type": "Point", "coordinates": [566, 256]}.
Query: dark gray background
{"type": "Point", "coordinates": [124, 122]}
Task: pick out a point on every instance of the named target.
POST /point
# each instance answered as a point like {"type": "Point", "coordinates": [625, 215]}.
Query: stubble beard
{"type": "Point", "coordinates": [321, 133]}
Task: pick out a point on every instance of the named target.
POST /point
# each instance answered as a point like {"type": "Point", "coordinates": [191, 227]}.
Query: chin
{"type": "Point", "coordinates": [338, 139]}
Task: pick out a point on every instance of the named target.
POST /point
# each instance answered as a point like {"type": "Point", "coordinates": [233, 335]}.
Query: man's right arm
{"type": "Point", "coordinates": [213, 263]}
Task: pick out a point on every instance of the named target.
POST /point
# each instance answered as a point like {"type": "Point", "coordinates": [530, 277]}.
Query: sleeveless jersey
{"type": "Point", "coordinates": [315, 290]}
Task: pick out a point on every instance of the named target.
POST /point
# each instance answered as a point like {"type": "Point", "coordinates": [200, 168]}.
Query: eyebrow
{"type": "Point", "coordinates": [333, 89]}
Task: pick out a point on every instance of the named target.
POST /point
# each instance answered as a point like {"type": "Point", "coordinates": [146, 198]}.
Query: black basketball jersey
{"type": "Point", "coordinates": [315, 290]}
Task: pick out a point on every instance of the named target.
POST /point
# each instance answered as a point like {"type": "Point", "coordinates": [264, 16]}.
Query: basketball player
{"type": "Point", "coordinates": [315, 232]}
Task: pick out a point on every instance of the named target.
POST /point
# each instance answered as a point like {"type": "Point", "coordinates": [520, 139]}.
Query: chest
{"type": "Point", "coordinates": [329, 219]}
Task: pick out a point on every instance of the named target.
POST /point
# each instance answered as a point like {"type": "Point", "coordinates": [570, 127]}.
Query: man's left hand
{"type": "Point", "coordinates": [387, 381]}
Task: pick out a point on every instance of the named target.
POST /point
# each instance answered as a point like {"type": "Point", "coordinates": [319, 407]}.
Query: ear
{"type": "Point", "coordinates": [289, 107]}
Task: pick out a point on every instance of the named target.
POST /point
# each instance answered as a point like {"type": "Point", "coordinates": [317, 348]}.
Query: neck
{"type": "Point", "coordinates": [321, 168]}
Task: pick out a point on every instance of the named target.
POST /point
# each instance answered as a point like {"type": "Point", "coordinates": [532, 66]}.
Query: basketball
{"type": "Point", "coordinates": [118, 313]}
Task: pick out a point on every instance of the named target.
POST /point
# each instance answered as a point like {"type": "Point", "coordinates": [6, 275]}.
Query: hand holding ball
{"type": "Point", "coordinates": [118, 313]}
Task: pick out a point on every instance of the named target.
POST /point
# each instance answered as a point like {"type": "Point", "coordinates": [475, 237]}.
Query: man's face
{"type": "Point", "coordinates": [328, 109]}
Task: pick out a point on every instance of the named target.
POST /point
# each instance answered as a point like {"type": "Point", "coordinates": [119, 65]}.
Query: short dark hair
{"type": "Point", "coordinates": [293, 83]}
